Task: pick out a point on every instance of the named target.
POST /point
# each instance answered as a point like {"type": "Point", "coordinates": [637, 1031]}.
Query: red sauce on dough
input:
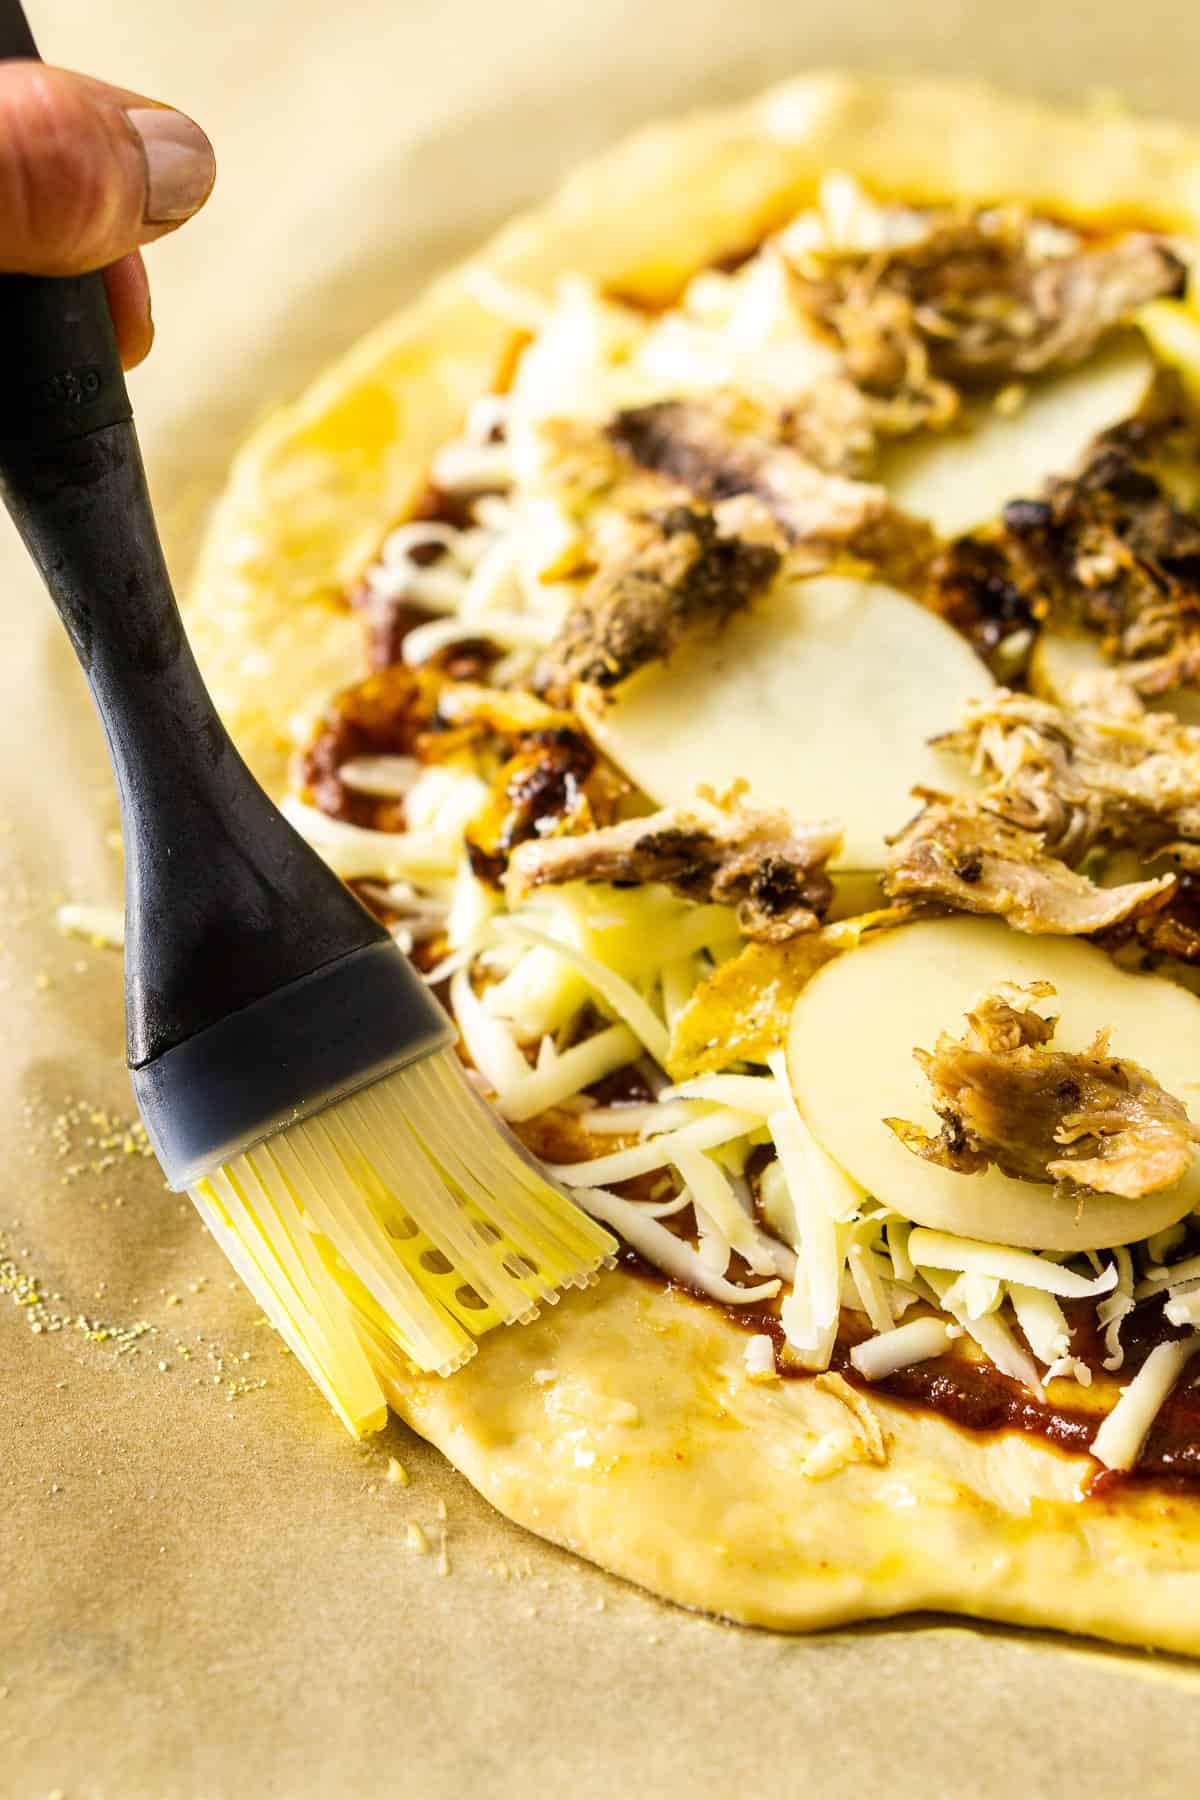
{"type": "Point", "coordinates": [975, 1396]}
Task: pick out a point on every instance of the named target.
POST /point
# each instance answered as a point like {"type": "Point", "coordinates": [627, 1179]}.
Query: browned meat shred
{"type": "Point", "coordinates": [553, 782]}
{"type": "Point", "coordinates": [674, 570]}
{"type": "Point", "coordinates": [771, 870]}
{"type": "Point", "coordinates": [1060, 785]}
{"type": "Point", "coordinates": [1084, 779]}
{"type": "Point", "coordinates": [691, 506]}
{"type": "Point", "coordinates": [975, 589]}
{"type": "Point", "coordinates": [724, 446]}
{"type": "Point", "coordinates": [1088, 1122]}
{"type": "Point", "coordinates": [1113, 548]}
{"type": "Point", "coordinates": [963, 854]}
{"type": "Point", "coordinates": [976, 297]}
{"type": "Point", "coordinates": [1175, 931]}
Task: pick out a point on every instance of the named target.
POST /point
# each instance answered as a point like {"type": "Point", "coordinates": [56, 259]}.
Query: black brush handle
{"type": "Point", "coordinates": [16, 37]}
{"type": "Point", "coordinates": [225, 903]}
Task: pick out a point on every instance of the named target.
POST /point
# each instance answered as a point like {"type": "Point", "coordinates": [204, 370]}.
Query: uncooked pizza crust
{"type": "Point", "coordinates": [623, 1424]}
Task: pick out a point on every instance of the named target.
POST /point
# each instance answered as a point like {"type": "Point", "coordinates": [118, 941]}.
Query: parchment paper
{"type": "Point", "coordinates": [205, 1589]}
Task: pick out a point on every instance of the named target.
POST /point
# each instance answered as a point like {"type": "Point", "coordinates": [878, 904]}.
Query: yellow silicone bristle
{"type": "Point", "coordinates": [393, 1230]}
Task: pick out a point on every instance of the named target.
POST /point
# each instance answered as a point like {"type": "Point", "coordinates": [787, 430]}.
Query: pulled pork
{"type": "Point", "coordinates": [669, 572]}
{"type": "Point", "coordinates": [973, 297]}
{"type": "Point", "coordinates": [1088, 1122]}
{"type": "Point", "coordinates": [704, 443]}
{"type": "Point", "coordinates": [1087, 779]}
{"type": "Point", "coordinates": [1113, 549]}
{"type": "Point", "coordinates": [770, 869]}
{"type": "Point", "coordinates": [962, 854]}
{"type": "Point", "coordinates": [725, 446]}
{"type": "Point", "coordinates": [974, 587]}
{"type": "Point", "coordinates": [690, 507]}
{"type": "Point", "coordinates": [1060, 785]}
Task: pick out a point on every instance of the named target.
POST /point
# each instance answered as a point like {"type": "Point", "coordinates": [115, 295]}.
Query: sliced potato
{"type": "Point", "coordinates": [961, 479]}
{"type": "Point", "coordinates": [1064, 664]}
{"type": "Point", "coordinates": [821, 699]}
{"type": "Point", "coordinates": [850, 1060]}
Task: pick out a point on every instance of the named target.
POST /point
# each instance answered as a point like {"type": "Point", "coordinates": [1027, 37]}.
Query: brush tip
{"type": "Point", "coordinates": [395, 1228]}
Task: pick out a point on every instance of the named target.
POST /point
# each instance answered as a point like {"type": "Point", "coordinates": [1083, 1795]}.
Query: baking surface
{"type": "Point", "coordinates": [205, 1589]}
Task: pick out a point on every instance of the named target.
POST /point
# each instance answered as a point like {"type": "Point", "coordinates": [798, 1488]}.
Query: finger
{"type": "Point", "coordinates": [129, 304]}
{"type": "Point", "coordinates": [88, 173]}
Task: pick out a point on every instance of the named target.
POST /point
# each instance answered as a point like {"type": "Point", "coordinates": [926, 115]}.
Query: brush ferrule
{"type": "Point", "coordinates": [282, 1058]}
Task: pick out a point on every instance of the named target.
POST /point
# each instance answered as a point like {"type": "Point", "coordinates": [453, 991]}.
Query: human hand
{"type": "Point", "coordinates": [88, 173]}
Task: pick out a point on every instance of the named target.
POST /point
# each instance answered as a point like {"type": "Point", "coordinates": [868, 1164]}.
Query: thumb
{"type": "Point", "coordinates": [89, 172]}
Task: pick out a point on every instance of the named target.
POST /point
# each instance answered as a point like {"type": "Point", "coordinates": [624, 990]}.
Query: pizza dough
{"type": "Point", "coordinates": [665, 1462]}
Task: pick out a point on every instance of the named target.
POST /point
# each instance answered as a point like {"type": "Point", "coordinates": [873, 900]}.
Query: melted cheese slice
{"type": "Point", "coordinates": [959, 480]}
{"type": "Point", "coordinates": [821, 698]}
{"type": "Point", "coordinates": [850, 1062]}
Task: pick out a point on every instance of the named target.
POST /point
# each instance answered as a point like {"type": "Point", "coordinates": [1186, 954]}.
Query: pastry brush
{"type": "Point", "coordinates": [293, 1071]}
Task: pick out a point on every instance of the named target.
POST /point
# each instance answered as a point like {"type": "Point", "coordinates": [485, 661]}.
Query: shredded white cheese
{"type": "Point", "coordinates": [810, 1312]}
{"type": "Point", "coordinates": [355, 853]}
{"type": "Point", "coordinates": [1119, 1441]}
{"type": "Point", "coordinates": [659, 1153]}
{"type": "Point", "coordinates": [1158, 1278]}
{"type": "Point", "coordinates": [613, 989]}
{"type": "Point", "coordinates": [1112, 1312]}
{"type": "Point", "coordinates": [760, 1358]}
{"type": "Point", "coordinates": [1184, 1309]}
{"type": "Point", "coordinates": [713, 1191]}
{"type": "Point", "coordinates": [998, 1343]}
{"type": "Point", "coordinates": [508, 629]}
{"type": "Point", "coordinates": [973, 1295]}
{"type": "Point", "coordinates": [938, 1250]}
{"type": "Point", "coordinates": [897, 1233]}
{"type": "Point", "coordinates": [523, 979]}
{"type": "Point", "coordinates": [572, 1070]}
{"type": "Point", "coordinates": [667, 1252]}
{"type": "Point", "coordinates": [463, 466]}
{"type": "Point", "coordinates": [760, 1094]}
{"type": "Point", "coordinates": [870, 1286]}
{"type": "Point", "coordinates": [388, 777]}
{"type": "Point", "coordinates": [1042, 1320]}
{"type": "Point", "coordinates": [490, 1046]}
{"type": "Point", "coordinates": [841, 1197]}
{"type": "Point", "coordinates": [900, 1348]}
{"type": "Point", "coordinates": [640, 1120]}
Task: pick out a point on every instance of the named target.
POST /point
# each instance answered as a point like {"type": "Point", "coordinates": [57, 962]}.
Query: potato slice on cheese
{"type": "Point", "coordinates": [961, 479]}
{"type": "Point", "coordinates": [821, 698]}
{"type": "Point", "coordinates": [851, 1065]}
